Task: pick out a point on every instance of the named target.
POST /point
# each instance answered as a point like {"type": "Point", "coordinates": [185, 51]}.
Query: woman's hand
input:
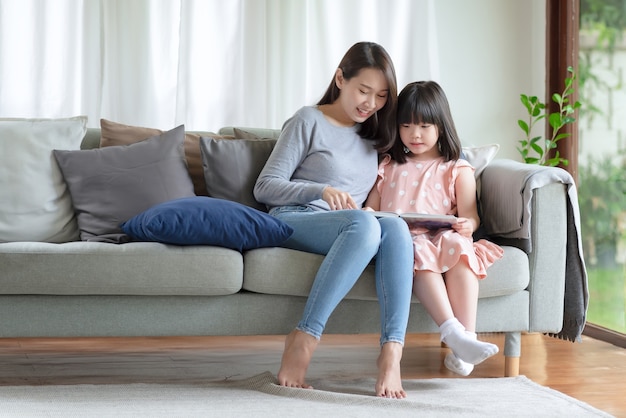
{"type": "Point", "coordinates": [337, 199]}
{"type": "Point", "coordinates": [464, 226]}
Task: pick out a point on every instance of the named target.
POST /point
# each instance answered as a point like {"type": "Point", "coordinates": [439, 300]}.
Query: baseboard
{"type": "Point", "coordinates": [605, 334]}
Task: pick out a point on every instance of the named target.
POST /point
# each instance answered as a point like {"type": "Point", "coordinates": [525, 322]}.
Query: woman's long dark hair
{"type": "Point", "coordinates": [382, 125]}
{"type": "Point", "coordinates": [426, 102]}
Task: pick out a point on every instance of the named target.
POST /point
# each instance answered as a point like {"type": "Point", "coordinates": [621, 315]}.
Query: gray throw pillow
{"type": "Point", "coordinates": [110, 185]}
{"type": "Point", "coordinates": [231, 167]}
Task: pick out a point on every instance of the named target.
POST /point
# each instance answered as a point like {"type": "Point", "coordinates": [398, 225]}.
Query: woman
{"type": "Point", "coordinates": [316, 180]}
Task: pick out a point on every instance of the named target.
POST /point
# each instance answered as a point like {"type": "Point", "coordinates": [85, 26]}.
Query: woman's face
{"type": "Point", "coordinates": [362, 95]}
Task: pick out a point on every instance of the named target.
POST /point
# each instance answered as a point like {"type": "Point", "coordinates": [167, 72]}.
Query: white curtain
{"type": "Point", "coordinates": [202, 63]}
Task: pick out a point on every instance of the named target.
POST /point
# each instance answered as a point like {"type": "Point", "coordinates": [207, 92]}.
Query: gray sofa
{"type": "Point", "coordinates": [150, 289]}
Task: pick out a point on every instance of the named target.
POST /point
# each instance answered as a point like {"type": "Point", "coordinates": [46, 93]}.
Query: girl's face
{"type": "Point", "coordinates": [362, 95]}
{"type": "Point", "coordinates": [421, 139]}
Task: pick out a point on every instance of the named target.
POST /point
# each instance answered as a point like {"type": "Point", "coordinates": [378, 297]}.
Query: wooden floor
{"type": "Point", "coordinates": [592, 371]}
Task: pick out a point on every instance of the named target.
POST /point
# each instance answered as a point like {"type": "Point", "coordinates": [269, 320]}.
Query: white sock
{"type": "Point", "coordinates": [456, 365]}
{"type": "Point", "coordinates": [463, 345]}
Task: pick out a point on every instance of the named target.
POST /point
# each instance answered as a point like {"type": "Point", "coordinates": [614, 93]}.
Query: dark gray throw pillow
{"type": "Point", "coordinates": [231, 167]}
{"type": "Point", "coordinates": [111, 185]}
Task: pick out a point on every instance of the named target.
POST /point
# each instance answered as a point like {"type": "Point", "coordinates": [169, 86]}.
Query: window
{"type": "Point", "coordinates": [602, 158]}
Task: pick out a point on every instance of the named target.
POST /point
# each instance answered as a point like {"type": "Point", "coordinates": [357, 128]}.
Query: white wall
{"type": "Point", "coordinates": [491, 52]}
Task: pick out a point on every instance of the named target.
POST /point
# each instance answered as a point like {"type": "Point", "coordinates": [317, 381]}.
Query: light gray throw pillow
{"type": "Point", "coordinates": [110, 185]}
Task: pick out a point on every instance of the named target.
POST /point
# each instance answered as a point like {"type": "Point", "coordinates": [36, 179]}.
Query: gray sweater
{"type": "Point", "coordinates": [311, 154]}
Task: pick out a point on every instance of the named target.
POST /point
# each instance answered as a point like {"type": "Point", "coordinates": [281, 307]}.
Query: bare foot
{"type": "Point", "coordinates": [299, 348]}
{"type": "Point", "coordinates": [389, 383]}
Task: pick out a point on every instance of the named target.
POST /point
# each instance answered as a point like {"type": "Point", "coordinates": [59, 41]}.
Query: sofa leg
{"type": "Point", "coordinates": [512, 353]}
{"type": "Point", "coordinates": [511, 366]}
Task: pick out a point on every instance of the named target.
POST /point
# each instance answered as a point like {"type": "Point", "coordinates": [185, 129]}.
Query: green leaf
{"type": "Point", "coordinates": [522, 124]}
{"type": "Point", "coordinates": [525, 101]}
{"type": "Point", "coordinates": [554, 161]}
{"type": "Point", "coordinates": [561, 136]}
{"type": "Point", "coordinates": [555, 120]}
{"type": "Point", "coordinates": [568, 86]}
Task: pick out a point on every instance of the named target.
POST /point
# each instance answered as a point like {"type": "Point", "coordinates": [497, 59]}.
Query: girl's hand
{"type": "Point", "coordinates": [464, 226]}
{"type": "Point", "coordinates": [337, 199]}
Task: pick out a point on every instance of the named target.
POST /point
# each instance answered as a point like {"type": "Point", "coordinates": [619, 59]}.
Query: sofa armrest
{"type": "Point", "coordinates": [519, 210]}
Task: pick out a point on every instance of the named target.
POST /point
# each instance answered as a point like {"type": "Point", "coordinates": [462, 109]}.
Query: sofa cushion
{"type": "Point", "coordinates": [111, 185]}
{"type": "Point", "coordinates": [202, 220]}
{"type": "Point", "coordinates": [35, 203]}
{"type": "Point", "coordinates": [136, 268]}
{"type": "Point", "coordinates": [114, 133]}
{"type": "Point", "coordinates": [282, 271]}
{"type": "Point", "coordinates": [231, 167]}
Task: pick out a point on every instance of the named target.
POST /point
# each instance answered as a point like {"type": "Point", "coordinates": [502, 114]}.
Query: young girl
{"type": "Point", "coordinates": [317, 178]}
{"type": "Point", "coordinates": [424, 173]}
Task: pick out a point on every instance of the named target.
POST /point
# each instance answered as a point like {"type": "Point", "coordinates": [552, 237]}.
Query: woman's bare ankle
{"type": "Point", "coordinates": [299, 348]}
{"type": "Point", "coordinates": [389, 383]}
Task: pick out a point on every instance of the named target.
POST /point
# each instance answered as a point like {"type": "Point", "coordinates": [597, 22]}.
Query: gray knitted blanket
{"type": "Point", "coordinates": [508, 227]}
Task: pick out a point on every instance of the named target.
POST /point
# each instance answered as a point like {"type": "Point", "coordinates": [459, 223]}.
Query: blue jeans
{"type": "Point", "coordinates": [350, 239]}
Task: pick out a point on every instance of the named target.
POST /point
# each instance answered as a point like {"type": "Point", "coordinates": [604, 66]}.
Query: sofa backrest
{"type": "Point", "coordinates": [91, 139]}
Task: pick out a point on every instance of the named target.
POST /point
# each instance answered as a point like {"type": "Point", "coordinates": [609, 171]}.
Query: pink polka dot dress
{"type": "Point", "coordinates": [428, 187]}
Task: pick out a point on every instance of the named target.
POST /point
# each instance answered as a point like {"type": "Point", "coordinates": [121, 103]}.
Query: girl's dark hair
{"type": "Point", "coordinates": [426, 102]}
{"type": "Point", "coordinates": [382, 125]}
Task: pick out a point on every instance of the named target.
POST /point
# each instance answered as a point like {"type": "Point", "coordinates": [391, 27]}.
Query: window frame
{"type": "Point", "coordinates": [562, 49]}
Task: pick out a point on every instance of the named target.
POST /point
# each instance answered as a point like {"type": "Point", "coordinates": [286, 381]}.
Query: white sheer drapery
{"type": "Point", "coordinates": [204, 63]}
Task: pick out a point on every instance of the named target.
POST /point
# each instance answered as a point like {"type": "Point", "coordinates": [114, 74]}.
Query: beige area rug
{"type": "Point", "coordinates": [259, 396]}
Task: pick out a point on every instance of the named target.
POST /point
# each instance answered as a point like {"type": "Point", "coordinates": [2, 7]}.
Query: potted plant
{"type": "Point", "coordinates": [536, 149]}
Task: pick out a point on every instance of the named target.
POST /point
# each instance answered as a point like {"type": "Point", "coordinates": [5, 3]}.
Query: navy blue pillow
{"type": "Point", "coordinates": [202, 220]}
